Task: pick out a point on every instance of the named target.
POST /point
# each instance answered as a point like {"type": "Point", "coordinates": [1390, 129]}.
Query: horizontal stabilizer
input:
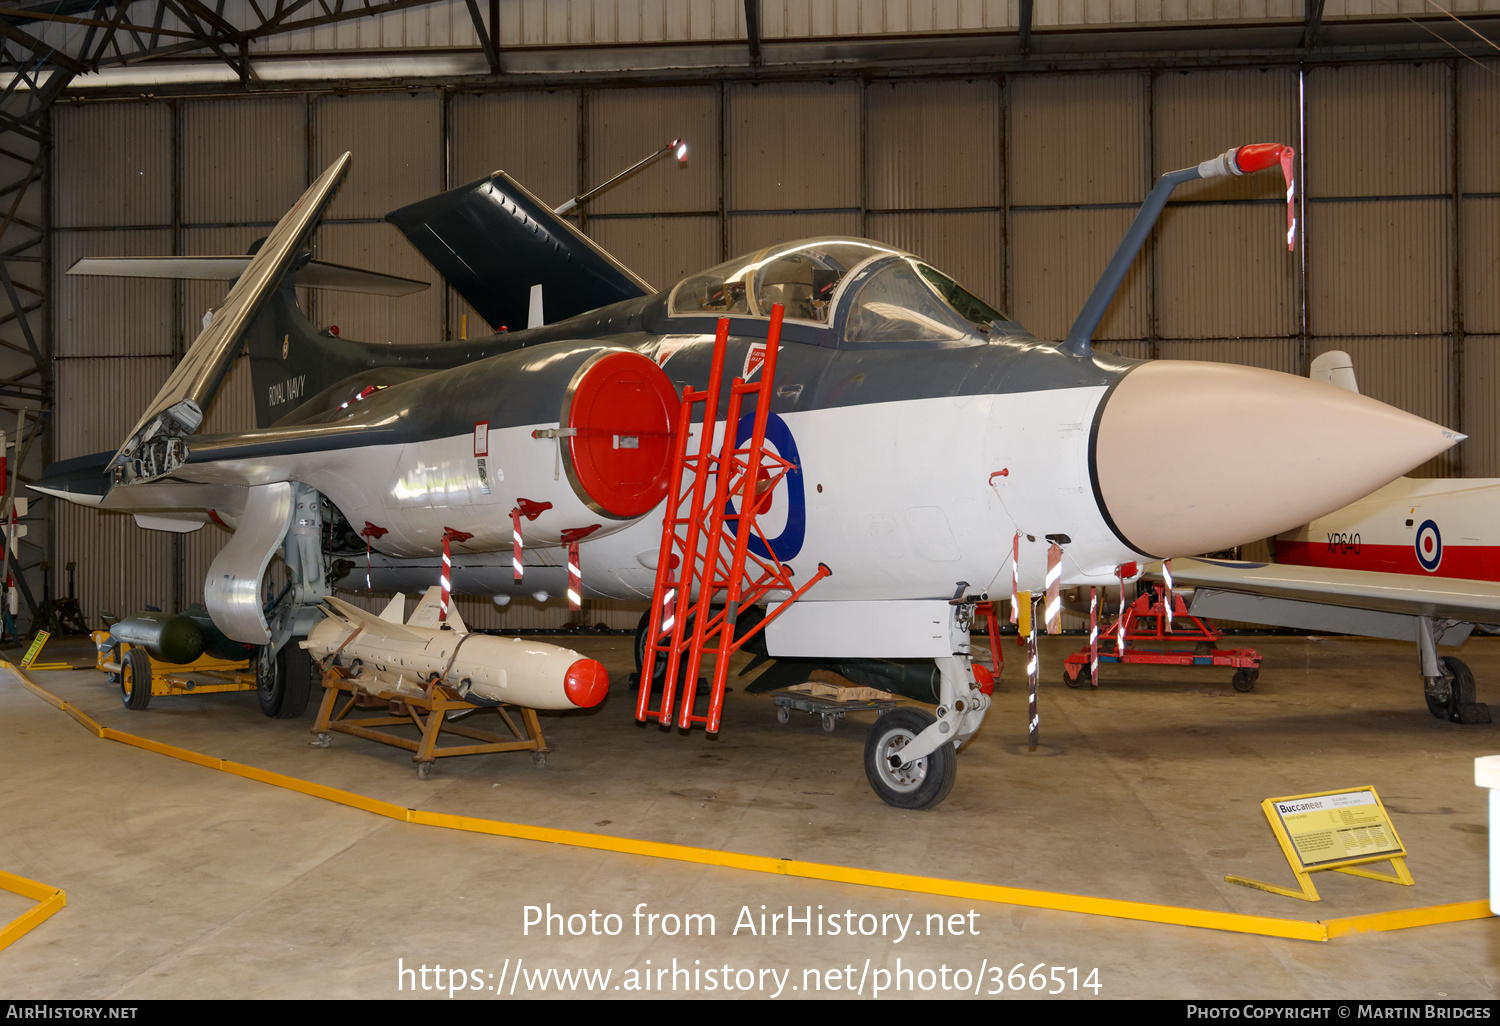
{"type": "Point", "coordinates": [494, 241]}
{"type": "Point", "coordinates": [370, 623]}
{"type": "Point", "coordinates": [316, 274]}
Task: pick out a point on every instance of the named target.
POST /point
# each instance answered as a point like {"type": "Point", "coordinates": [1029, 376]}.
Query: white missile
{"type": "Point", "coordinates": [389, 656]}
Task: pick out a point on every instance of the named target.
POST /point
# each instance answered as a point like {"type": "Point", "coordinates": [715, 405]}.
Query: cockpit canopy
{"type": "Point", "coordinates": [862, 292]}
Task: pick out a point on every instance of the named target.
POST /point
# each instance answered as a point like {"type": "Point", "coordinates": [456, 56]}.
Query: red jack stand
{"type": "Point", "coordinates": [1145, 619]}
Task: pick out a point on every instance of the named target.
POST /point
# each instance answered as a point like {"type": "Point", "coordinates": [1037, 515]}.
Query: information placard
{"type": "Point", "coordinates": [1337, 830]}
{"type": "Point", "coordinates": [1342, 828]}
{"type": "Point", "coordinates": [35, 649]}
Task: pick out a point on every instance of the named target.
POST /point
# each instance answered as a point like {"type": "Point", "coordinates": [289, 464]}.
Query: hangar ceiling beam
{"type": "Point", "coordinates": [489, 39]}
{"type": "Point", "coordinates": [39, 48]}
{"type": "Point", "coordinates": [224, 35]}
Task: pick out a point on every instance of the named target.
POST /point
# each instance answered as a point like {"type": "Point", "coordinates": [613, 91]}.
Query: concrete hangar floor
{"type": "Point", "coordinates": [184, 881]}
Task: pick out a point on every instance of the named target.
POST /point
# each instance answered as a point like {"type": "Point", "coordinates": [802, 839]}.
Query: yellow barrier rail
{"type": "Point", "coordinates": [1232, 922]}
{"type": "Point", "coordinates": [49, 899]}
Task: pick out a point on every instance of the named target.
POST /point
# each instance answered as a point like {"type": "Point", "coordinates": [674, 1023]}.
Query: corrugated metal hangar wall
{"type": "Point", "coordinates": [1018, 185]}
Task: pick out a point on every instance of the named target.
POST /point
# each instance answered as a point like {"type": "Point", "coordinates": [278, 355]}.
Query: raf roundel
{"type": "Point", "coordinates": [1429, 546]}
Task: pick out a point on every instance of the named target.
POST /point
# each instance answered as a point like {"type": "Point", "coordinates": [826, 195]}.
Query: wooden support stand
{"type": "Point", "coordinates": [428, 713]}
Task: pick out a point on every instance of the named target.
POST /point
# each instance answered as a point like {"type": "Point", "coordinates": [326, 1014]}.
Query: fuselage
{"type": "Point", "coordinates": [1424, 527]}
{"type": "Point", "coordinates": [934, 439]}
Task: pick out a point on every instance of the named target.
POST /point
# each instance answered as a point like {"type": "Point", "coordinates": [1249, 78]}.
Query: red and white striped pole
{"type": "Point", "coordinates": [1120, 632]}
{"type": "Point", "coordinates": [1166, 576]}
{"type": "Point", "coordinates": [515, 535]}
{"type": "Point", "coordinates": [1094, 637]}
{"type": "Point", "coordinates": [575, 578]}
{"type": "Point", "coordinates": [370, 532]}
{"type": "Point", "coordinates": [1053, 610]}
{"type": "Point", "coordinates": [1015, 577]}
{"type": "Point", "coordinates": [446, 580]}
{"type": "Point", "coordinates": [1033, 681]}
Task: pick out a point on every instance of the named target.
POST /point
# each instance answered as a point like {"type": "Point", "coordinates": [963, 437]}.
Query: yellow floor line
{"type": "Point", "coordinates": [1233, 922]}
{"type": "Point", "coordinates": [49, 900]}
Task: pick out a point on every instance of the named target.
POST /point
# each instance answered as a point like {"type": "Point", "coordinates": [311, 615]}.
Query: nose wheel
{"type": "Point", "coordinates": [922, 784]}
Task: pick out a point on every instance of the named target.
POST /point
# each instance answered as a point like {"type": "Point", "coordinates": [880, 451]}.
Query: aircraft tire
{"type": "Point", "coordinates": [135, 679]}
{"type": "Point", "coordinates": [284, 682]}
{"type": "Point", "coordinates": [658, 671]}
{"type": "Point", "coordinates": [925, 783]}
{"type": "Point", "coordinates": [1460, 707]}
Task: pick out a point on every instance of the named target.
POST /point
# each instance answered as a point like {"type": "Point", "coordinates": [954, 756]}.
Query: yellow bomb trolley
{"type": "Point", "coordinates": [155, 653]}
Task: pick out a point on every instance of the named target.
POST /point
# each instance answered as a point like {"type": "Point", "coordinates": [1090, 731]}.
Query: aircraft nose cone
{"type": "Point", "coordinates": [1191, 457]}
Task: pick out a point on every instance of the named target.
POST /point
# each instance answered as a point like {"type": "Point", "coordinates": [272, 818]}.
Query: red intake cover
{"type": "Point", "coordinates": [624, 410]}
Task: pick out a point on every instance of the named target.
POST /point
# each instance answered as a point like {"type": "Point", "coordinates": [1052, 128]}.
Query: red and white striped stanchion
{"type": "Point", "coordinates": [530, 510]}
{"type": "Point", "coordinates": [1166, 576]}
{"type": "Point", "coordinates": [368, 534]}
{"type": "Point", "coordinates": [571, 537]}
{"type": "Point", "coordinates": [515, 537]}
{"type": "Point", "coordinates": [1120, 624]}
{"type": "Point", "coordinates": [446, 580]}
{"type": "Point", "coordinates": [1094, 637]}
{"type": "Point", "coordinates": [1053, 609]}
{"type": "Point", "coordinates": [1033, 681]}
{"type": "Point", "coordinates": [1015, 577]}
{"type": "Point", "coordinates": [575, 578]}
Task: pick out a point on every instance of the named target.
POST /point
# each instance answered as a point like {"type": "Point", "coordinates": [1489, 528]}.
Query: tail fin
{"type": "Point", "coordinates": [1334, 368]}
{"type": "Point", "coordinates": [290, 360]}
{"type": "Point", "coordinates": [155, 447]}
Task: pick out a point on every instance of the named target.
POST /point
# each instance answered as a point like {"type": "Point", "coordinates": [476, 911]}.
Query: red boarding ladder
{"type": "Point", "coordinates": [705, 545]}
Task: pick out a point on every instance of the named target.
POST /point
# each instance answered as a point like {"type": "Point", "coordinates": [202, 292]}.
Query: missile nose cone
{"type": "Point", "coordinates": [1191, 457]}
{"type": "Point", "coordinates": [586, 683]}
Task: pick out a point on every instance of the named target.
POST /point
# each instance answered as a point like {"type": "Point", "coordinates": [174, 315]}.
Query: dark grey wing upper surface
{"type": "Point", "coordinates": [492, 240]}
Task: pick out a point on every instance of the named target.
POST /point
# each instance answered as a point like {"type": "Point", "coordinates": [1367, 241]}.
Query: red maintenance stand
{"type": "Point", "coordinates": [705, 555]}
{"type": "Point", "coordinates": [1146, 620]}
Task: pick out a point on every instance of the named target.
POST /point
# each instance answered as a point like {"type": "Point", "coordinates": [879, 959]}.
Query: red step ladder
{"type": "Point", "coordinates": [705, 544]}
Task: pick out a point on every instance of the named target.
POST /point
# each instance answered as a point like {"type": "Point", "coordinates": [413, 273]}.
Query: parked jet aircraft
{"type": "Point", "coordinates": [1416, 560]}
{"type": "Point", "coordinates": [933, 438]}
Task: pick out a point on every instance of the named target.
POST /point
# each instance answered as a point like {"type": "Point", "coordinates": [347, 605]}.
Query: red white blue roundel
{"type": "Point", "coordinates": [1429, 545]}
